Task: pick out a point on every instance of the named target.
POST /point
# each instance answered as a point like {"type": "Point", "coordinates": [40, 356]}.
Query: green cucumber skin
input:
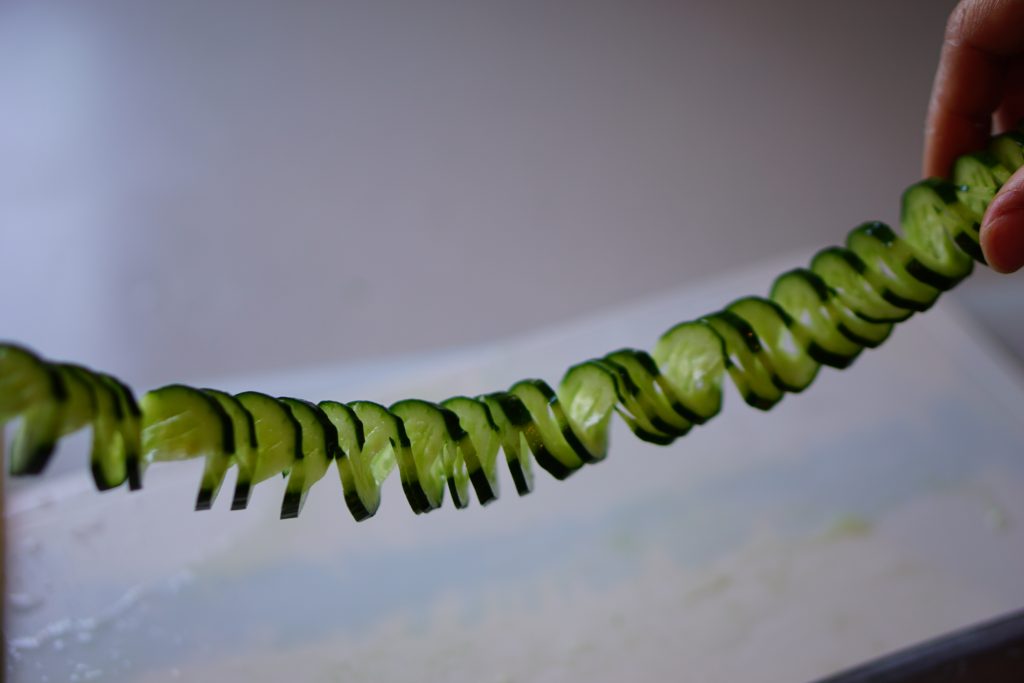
{"type": "Point", "coordinates": [848, 299]}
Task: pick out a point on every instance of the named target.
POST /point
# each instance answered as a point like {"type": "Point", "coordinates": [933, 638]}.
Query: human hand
{"type": "Point", "coordinates": [979, 86]}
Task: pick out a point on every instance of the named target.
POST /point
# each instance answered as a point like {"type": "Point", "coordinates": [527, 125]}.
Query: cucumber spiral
{"type": "Point", "coordinates": [846, 300]}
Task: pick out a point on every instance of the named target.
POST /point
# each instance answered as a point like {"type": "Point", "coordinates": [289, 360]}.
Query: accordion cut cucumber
{"type": "Point", "coordinates": [849, 298]}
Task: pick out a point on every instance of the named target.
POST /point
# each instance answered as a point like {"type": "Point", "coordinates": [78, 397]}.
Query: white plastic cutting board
{"type": "Point", "coordinates": [883, 506]}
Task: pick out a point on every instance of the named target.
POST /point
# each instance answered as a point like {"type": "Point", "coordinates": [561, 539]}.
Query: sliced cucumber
{"type": "Point", "coordinates": [978, 177]}
{"type": "Point", "coordinates": [1008, 148]}
{"type": "Point", "coordinates": [783, 346]}
{"type": "Point", "coordinates": [630, 407]}
{"type": "Point", "coordinates": [518, 438]}
{"type": "Point", "coordinates": [848, 300]}
{"type": "Point", "coordinates": [109, 455]}
{"type": "Point", "coordinates": [385, 439]}
{"type": "Point", "coordinates": [456, 465]}
{"type": "Point", "coordinates": [886, 258]}
{"type": "Point", "coordinates": [691, 357]}
{"type": "Point", "coordinates": [481, 454]}
{"type": "Point", "coordinates": [180, 423]}
{"type": "Point", "coordinates": [362, 490]}
{"type": "Point", "coordinates": [846, 275]}
{"type": "Point", "coordinates": [933, 220]}
{"type": "Point", "coordinates": [559, 457]}
{"type": "Point", "coordinates": [806, 299]}
{"type": "Point", "coordinates": [587, 395]}
{"type": "Point", "coordinates": [246, 454]}
{"type": "Point", "coordinates": [25, 381]}
{"type": "Point", "coordinates": [647, 393]}
{"type": "Point", "coordinates": [278, 441]}
{"type": "Point", "coordinates": [45, 422]}
{"type": "Point", "coordinates": [131, 430]}
{"type": "Point", "coordinates": [423, 435]}
{"type": "Point", "coordinates": [745, 360]}
{"type": "Point", "coordinates": [319, 444]}
{"type": "Point", "coordinates": [438, 445]}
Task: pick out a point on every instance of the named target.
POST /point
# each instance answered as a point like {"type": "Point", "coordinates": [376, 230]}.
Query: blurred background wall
{"type": "Point", "coordinates": [199, 188]}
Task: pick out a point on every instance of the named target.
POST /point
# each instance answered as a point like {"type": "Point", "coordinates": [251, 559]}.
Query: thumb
{"type": "Point", "coordinates": [1002, 228]}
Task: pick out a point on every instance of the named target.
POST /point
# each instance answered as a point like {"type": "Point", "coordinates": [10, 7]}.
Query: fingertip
{"type": "Point", "coordinates": [1003, 246]}
{"type": "Point", "coordinates": [1002, 230]}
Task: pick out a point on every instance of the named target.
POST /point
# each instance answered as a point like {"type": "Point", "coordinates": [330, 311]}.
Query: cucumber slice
{"type": "Point", "coordinates": [439, 445]}
{"type": "Point", "coordinates": [482, 458]}
{"type": "Point", "coordinates": [846, 275]}
{"type": "Point", "coordinates": [932, 219]}
{"type": "Point", "coordinates": [278, 440]}
{"type": "Point", "coordinates": [807, 300]}
{"type": "Point", "coordinates": [456, 451]}
{"type": "Point", "coordinates": [362, 491]}
{"type": "Point", "coordinates": [587, 395]}
{"type": "Point", "coordinates": [127, 445]}
{"type": "Point", "coordinates": [518, 438]}
{"type": "Point", "coordinates": [108, 456]}
{"type": "Point", "coordinates": [25, 381]}
{"type": "Point", "coordinates": [378, 455]}
{"type": "Point", "coordinates": [131, 430]}
{"type": "Point", "coordinates": [859, 331]}
{"type": "Point", "coordinates": [648, 395]}
{"type": "Point", "coordinates": [536, 396]}
{"type": "Point", "coordinates": [180, 423]}
{"type": "Point", "coordinates": [782, 348]}
{"type": "Point", "coordinates": [745, 360]}
{"type": "Point", "coordinates": [319, 444]}
{"type": "Point", "coordinates": [978, 177]}
{"type": "Point", "coordinates": [691, 357]}
{"type": "Point", "coordinates": [543, 431]}
{"type": "Point", "coordinates": [886, 258]}
{"type": "Point", "coordinates": [423, 474]}
{"type": "Point", "coordinates": [47, 421]}
{"type": "Point", "coordinates": [243, 426]}
{"type": "Point", "coordinates": [631, 409]}
{"type": "Point", "coordinates": [1008, 148]}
